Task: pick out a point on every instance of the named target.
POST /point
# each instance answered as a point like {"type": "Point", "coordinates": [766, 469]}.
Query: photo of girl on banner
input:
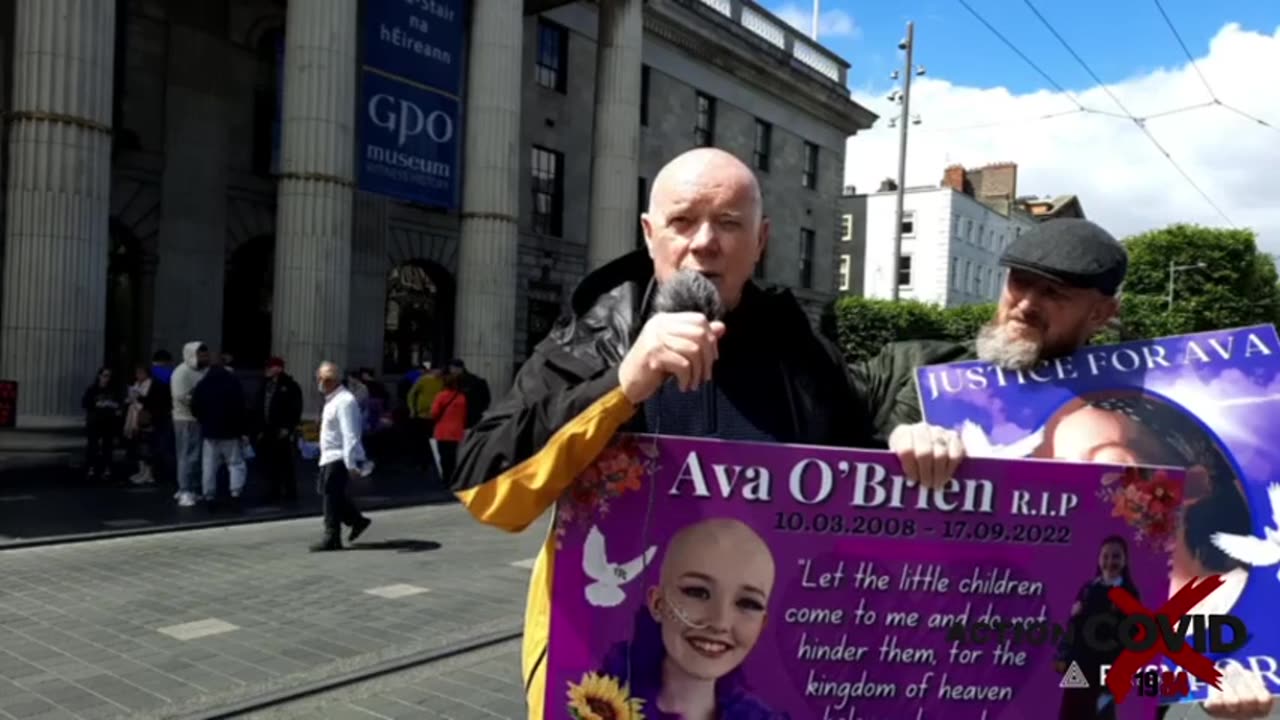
{"type": "Point", "coordinates": [698, 624]}
{"type": "Point", "coordinates": [1094, 702]}
{"type": "Point", "coordinates": [1129, 426]}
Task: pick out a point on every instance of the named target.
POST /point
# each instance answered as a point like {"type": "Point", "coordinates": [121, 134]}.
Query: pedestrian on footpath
{"type": "Point", "coordinates": [162, 443]}
{"type": "Point", "coordinates": [186, 431]}
{"type": "Point", "coordinates": [421, 399]}
{"type": "Point", "coordinates": [449, 423]}
{"type": "Point", "coordinates": [277, 413]}
{"type": "Point", "coordinates": [149, 406]}
{"type": "Point", "coordinates": [162, 366]}
{"type": "Point", "coordinates": [218, 405]}
{"type": "Point", "coordinates": [103, 401]}
{"type": "Point", "coordinates": [341, 458]}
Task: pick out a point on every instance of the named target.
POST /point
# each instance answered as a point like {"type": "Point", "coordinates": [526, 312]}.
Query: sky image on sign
{"type": "Point", "coordinates": [1204, 402]}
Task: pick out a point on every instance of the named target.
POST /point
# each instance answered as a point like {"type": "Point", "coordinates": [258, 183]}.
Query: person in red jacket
{"type": "Point", "coordinates": [449, 414]}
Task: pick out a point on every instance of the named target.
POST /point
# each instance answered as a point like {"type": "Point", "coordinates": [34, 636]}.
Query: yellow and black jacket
{"type": "Point", "coordinates": [565, 405]}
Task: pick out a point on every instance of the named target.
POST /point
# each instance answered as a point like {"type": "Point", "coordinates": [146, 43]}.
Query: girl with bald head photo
{"type": "Point", "coordinates": [698, 625]}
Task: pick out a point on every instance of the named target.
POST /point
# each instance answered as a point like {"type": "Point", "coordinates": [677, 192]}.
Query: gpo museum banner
{"type": "Point", "coordinates": [409, 118]}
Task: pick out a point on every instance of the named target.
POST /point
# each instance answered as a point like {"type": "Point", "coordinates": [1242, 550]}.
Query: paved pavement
{"type": "Point", "coordinates": [168, 625]}
{"type": "Point", "coordinates": [56, 501]}
{"type": "Point", "coordinates": [477, 686]}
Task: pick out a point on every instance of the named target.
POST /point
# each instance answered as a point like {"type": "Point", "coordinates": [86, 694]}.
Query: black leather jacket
{"type": "Point", "coordinates": [577, 363]}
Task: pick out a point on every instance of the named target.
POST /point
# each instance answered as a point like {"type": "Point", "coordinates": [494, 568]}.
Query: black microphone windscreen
{"type": "Point", "coordinates": [689, 291]}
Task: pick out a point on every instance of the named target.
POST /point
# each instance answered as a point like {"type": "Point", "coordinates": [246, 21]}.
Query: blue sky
{"type": "Point", "coordinates": [980, 103]}
{"type": "Point", "coordinates": [1119, 40]}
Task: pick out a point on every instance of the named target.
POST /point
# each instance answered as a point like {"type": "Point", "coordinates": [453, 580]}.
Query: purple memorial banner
{"type": "Point", "coordinates": [1208, 402]}
{"type": "Point", "coordinates": [748, 581]}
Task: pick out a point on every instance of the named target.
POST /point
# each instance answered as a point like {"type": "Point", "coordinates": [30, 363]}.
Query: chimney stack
{"type": "Point", "coordinates": [954, 177]}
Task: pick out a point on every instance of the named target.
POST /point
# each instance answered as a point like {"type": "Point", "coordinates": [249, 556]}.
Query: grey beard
{"type": "Point", "coordinates": [997, 346]}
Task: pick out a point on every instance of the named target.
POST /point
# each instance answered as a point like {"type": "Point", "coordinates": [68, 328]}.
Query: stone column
{"type": "Point", "coordinates": [311, 306]}
{"type": "Point", "coordinates": [615, 141]}
{"type": "Point", "coordinates": [53, 319]}
{"type": "Point", "coordinates": [489, 247]}
{"type": "Point", "coordinates": [369, 281]}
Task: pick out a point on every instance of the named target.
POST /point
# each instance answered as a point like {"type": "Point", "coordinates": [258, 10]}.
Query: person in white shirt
{"type": "Point", "coordinates": [341, 458]}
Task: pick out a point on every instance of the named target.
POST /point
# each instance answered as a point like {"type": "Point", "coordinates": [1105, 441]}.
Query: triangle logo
{"type": "Point", "coordinates": [1074, 678]}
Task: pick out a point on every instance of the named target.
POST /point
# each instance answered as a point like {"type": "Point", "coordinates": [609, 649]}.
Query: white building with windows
{"type": "Point", "coordinates": [952, 237]}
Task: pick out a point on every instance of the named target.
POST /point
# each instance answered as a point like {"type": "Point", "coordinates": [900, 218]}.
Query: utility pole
{"type": "Point", "coordinates": [814, 32]}
{"type": "Point", "coordinates": [904, 97]}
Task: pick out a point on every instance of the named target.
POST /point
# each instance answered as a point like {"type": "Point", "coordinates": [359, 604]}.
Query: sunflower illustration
{"type": "Point", "coordinates": [600, 697]}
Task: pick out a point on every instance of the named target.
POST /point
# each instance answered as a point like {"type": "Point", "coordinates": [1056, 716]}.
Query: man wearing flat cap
{"type": "Point", "coordinates": [1060, 290]}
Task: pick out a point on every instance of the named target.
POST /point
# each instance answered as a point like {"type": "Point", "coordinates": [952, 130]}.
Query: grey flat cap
{"type": "Point", "coordinates": [1072, 251]}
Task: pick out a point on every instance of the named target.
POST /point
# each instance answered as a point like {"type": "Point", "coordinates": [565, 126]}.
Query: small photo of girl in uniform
{"type": "Point", "coordinates": [1094, 702]}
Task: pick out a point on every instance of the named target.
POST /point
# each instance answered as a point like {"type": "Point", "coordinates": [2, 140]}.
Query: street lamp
{"type": "Point", "coordinates": [1174, 269]}
{"type": "Point", "coordinates": [903, 123]}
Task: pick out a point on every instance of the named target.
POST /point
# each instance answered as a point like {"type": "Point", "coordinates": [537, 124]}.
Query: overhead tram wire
{"type": "Point", "coordinates": [1004, 123]}
{"type": "Point", "coordinates": [1203, 80]}
{"type": "Point", "coordinates": [1079, 106]}
{"type": "Point", "coordinates": [1062, 113]}
{"type": "Point", "coordinates": [1136, 121]}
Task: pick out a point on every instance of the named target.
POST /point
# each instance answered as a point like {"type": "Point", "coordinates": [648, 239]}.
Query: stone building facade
{"type": "Point", "coordinates": [169, 178]}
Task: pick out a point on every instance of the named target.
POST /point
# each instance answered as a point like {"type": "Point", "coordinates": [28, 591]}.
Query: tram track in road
{"type": "Point", "coordinates": [261, 705]}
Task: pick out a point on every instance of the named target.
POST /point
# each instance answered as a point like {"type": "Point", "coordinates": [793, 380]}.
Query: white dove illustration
{"type": "Point", "coordinates": [1256, 551]}
{"type": "Point", "coordinates": [609, 577]}
{"type": "Point", "coordinates": [977, 444]}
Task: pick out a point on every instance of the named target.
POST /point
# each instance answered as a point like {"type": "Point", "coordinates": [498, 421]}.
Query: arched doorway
{"type": "Point", "coordinates": [419, 316]}
{"type": "Point", "coordinates": [246, 302]}
{"type": "Point", "coordinates": [123, 343]}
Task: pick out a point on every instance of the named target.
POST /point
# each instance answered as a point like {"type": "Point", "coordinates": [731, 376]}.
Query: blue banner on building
{"type": "Point", "coordinates": [410, 110]}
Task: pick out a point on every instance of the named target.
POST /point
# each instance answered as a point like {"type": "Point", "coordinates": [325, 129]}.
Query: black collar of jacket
{"type": "Point", "coordinates": [609, 306]}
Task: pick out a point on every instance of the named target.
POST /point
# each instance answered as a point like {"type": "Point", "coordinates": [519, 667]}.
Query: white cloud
{"type": "Point", "coordinates": [831, 23]}
{"type": "Point", "coordinates": [1123, 181]}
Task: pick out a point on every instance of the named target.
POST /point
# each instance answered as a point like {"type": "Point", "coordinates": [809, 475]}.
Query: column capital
{"type": "Point", "coordinates": [315, 177]}
{"type": "Point", "coordinates": [14, 116]}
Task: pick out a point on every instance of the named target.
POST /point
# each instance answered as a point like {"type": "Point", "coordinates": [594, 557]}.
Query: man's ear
{"type": "Point", "coordinates": [647, 225]}
{"type": "Point", "coordinates": [1104, 312]}
{"type": "Point", "coordinates": [764, 238]}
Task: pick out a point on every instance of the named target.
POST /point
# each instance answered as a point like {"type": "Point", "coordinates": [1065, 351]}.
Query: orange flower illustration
{"type": "Point", "coordinates": [1147, 501]}
{"type": "Point", "coordinates": [622, 467]}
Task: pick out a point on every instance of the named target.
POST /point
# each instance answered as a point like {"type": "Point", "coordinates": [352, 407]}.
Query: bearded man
{"type": "Point", "coordinates": [1060, 290]}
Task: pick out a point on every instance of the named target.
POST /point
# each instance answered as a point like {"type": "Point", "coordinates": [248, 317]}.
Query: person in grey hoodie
{"type": "Point", "coordinates": [186, 431]}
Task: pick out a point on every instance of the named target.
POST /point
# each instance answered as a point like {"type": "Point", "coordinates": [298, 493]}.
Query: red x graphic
{"type": "Point", "coordinates": [1120, 677]}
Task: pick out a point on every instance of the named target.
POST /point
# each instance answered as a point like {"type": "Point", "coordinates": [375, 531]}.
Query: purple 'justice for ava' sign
{"type": "Point", "coordinates": [1206, 402]}
{"type": "Point", "coordinates": [748, 581]}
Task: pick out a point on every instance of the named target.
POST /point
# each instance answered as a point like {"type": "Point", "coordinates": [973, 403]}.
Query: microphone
{"type": "Point", "coordinates": [689, 291]}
